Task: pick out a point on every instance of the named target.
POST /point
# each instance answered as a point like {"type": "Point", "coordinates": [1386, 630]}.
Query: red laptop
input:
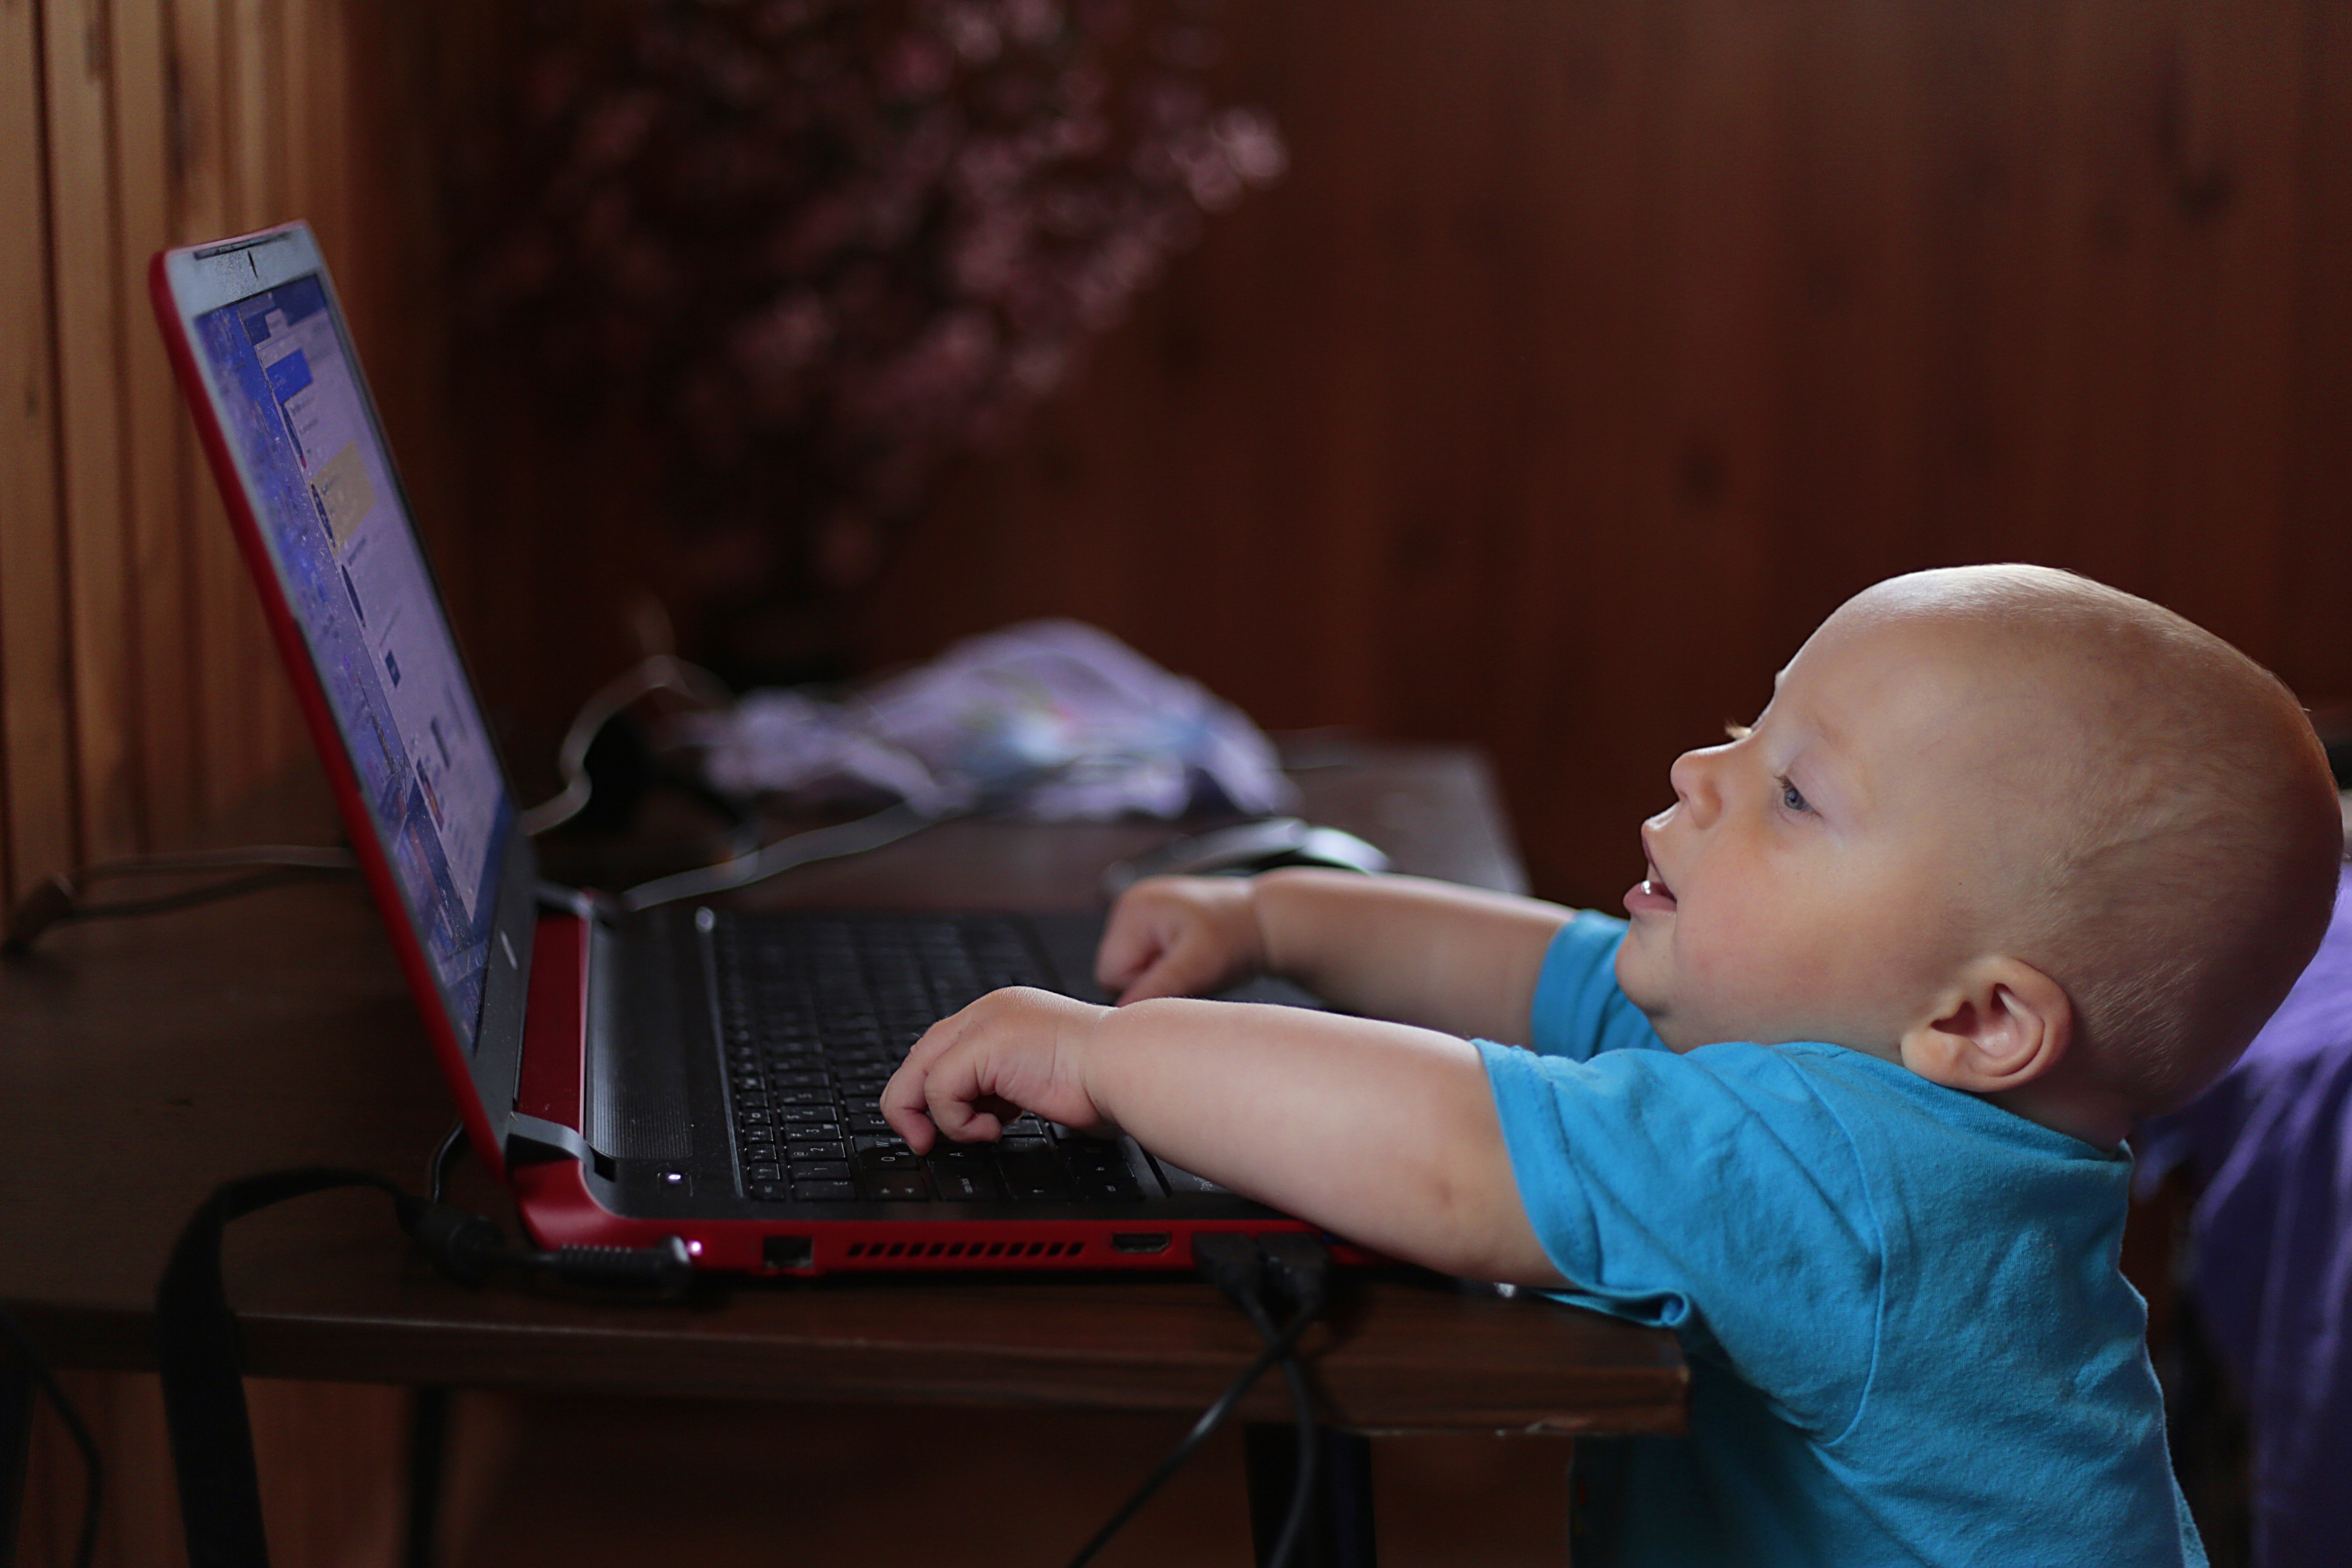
{"type": "Point", "coordinates": [683, 1071]}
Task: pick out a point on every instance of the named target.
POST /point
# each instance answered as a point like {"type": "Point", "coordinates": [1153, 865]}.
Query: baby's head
{"type": "Point", "coordinates": [2027, 835]}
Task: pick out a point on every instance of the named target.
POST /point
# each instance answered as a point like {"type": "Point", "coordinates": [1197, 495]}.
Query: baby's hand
{"type": "Point", "coordinates": [1012, 1050]}
{"type": "Point", "coordinates": [1180, 936]}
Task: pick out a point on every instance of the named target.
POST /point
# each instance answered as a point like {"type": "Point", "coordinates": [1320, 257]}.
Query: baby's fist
{"type": "Point", "coordinates": [1180, 936]}
{"type": "Point", "coordinates": [1014, 1050]}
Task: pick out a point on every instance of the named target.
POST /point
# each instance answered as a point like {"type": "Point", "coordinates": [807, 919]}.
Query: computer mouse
{"type": "Point", "coordinates": [1246, 848]}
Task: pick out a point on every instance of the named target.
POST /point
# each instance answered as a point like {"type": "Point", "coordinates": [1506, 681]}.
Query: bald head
{"type": "Point", "coordinates": [2163, 814]}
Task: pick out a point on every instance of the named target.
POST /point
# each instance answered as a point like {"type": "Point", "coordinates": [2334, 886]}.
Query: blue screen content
{"type": "Point", "coordinates": [354, 574]}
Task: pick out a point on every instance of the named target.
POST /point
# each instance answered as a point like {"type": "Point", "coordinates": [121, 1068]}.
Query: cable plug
{"type": "Point", "coordinates": [665, 1266]}
{"type": "Point", "coordinates": [465, 1246]}
{"type": "Point", "coordinates": [1233, 1263]}
{"type": "Point", "coordinates": [1299, 1267]}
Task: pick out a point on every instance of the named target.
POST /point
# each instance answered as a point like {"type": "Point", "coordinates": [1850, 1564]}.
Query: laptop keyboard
{"type": "Point", "coordinates": [816, 1013]}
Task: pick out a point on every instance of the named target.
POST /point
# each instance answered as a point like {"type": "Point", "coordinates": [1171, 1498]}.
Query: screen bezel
{"type": "Point", "coordinates": [188, 284]}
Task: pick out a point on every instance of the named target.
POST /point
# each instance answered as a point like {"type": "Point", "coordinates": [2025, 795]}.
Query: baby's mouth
{"type": "Point", "coordinates": [1656, 886]}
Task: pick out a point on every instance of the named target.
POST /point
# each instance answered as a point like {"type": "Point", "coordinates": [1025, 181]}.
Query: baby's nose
{"type": "Point", "coordinates": [1694, 779]}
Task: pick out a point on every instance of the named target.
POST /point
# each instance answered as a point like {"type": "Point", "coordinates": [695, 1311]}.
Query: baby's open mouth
{"type": "Point", "coordinates": [1651, 893]}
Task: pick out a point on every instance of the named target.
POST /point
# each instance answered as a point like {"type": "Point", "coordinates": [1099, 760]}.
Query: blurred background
{"type": "Point", "coordinates": [1529, 374]}
{"type": "Point", "coordinates": [1533, 374]}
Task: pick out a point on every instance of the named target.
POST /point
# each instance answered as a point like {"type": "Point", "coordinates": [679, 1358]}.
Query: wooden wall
{"type": "Point", "coordinates": [1590, 354]}
{"type": "Point", "coordinates": [1593, 352]}
{"type": "Point", "coordinates": [138, 699]}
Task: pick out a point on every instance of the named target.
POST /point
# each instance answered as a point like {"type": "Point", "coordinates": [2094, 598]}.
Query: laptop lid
{"type": "Point", "coordinates": [268, 370]}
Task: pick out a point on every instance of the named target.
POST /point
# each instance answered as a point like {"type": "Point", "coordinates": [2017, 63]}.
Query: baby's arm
{"type": "Point", "coordinates": [1382, 1132]}
{"type": "Point", "coordinates": [1455, 958]}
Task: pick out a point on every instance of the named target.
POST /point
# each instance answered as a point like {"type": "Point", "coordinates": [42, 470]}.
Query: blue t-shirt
{"type": "Point", "coordinates": [1908, 1338]}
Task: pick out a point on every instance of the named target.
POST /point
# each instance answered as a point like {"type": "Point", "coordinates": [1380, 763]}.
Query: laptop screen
{"type": "Point", "coordinates": [355, 577]}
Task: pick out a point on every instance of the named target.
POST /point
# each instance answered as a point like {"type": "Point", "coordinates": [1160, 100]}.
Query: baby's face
{"type": "Point", "coordinates": [1822, 876]}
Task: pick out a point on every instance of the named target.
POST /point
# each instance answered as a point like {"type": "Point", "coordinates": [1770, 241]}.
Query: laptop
{"type": "Point", "coordinates": [685, 1071]}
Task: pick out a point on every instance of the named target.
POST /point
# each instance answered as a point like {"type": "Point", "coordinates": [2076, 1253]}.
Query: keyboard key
{"type": "Point", "coordinates": [794, 1113]}
{"type": "Point", "coordinates": [897, 1185]}
{"type": "Point", "coordinates": [816, 1149]}
{"type": "Point", "coordinates": [1091, 1159]}
{"type": "Point", "coordinates": [1035, 1177]}
{"type": "Point", "coordinates": [772, 1192]}
{"type": "Point", "coordinates": [766, 1171]}
{"type": "Point", "coordinates": [888, 1159]}
{"type": "Point", "coordinates": [966, 1181]}
{"type": "Point", "coordinates": [1095, 1189]}
{"type": "Point", "coordinates": [825, 1192]}
{"type": "Point", "coordinates": [820, 1170]}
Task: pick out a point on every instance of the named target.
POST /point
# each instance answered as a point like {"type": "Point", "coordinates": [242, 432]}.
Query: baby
{"type": "Point", "coordinates": [2011, 861]}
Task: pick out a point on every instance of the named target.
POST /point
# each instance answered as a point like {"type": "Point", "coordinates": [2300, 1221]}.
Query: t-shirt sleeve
{"type": "Point", "coordinates": [1713, 1193]}
{"type": "Point", "coordinates": [1578, 1010]}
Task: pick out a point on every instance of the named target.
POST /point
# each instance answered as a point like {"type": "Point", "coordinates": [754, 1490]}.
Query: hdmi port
{"type": "Point", "coordinates": [1139, 1241]}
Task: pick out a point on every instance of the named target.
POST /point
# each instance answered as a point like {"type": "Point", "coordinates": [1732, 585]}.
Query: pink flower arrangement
{"type": "Point", "coordinates": [815, 246]}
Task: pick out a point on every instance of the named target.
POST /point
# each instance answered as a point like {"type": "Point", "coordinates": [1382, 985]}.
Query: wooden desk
{"type": "Point", "coordinates": [143, 1062]}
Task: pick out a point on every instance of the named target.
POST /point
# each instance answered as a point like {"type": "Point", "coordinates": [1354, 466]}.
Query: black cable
{"type": "Point", "coordinates": [1211, 1419]}
{"type": "Point", "coordinates": [1302, 1486]}
{"type": "Point", "coordinates": [1235, 1265]}
{"type": "Point", "coordinates": [64, 897]}
{"type": "Point", "coordinates": [437, 1174]}
{"type": "Point", "coordinates": [93, 1469]}
{"type": "Point", "coordinates": [202, 1360]}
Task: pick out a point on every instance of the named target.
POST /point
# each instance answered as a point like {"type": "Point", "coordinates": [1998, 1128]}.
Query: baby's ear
{"type": "Point", "coordinates": [2002, 1025]}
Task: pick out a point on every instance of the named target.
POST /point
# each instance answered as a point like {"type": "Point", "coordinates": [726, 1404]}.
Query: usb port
{"type": "Point", "coordinates": [1139, 1241]}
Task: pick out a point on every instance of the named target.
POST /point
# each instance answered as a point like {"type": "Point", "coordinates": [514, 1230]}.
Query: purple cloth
{"type": "Point", "coordinates": [2271, 1144]}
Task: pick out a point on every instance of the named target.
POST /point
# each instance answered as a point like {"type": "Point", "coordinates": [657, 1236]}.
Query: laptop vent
{"type": "Point", "coordinates": [912, 1249]}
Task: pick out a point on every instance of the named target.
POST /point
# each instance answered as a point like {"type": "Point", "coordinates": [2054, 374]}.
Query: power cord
{"type": "Point", "coordinates": [63, 897]}
{"type": "Point", "coordinates": [436, 1170]}
{"type": "Point", "coordinates": [93, 1471]}
{"type": "Point", "coordinates": [1293, 1265]}
{"type": "Point", "coordinates": [661, 672]}
{"type": "Point", "coordinates": [202, 1360]}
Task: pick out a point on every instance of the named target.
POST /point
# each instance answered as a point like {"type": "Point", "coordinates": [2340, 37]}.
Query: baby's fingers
{"type": "Point", "coordinates": [951, 1094]}
{"type": "Point", "coordinates": [1136, 938]}
{"type": "Point", "coordinates": [906, 1099]}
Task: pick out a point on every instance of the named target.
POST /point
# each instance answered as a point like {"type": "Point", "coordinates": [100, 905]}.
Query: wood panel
{"type": "Point", "coordinates": [330, 1457]}
{"type": "Point", "coordinates": [84, 278]}
{"type": "Point", "coordinates": [1591, 354]}
{"type": "Point", "coordinates": [35, 775]}
{"type": "Point", "coordinates": [140, 696]}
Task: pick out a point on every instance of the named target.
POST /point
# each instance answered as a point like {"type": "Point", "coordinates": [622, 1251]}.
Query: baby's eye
{"type": "Point", "coordinates": [1793, 797]}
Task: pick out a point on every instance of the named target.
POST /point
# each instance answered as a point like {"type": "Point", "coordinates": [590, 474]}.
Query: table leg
{"type": "Point", "coordinates": [16, 1452]}
{"type": "Point", "coordinates": [428, 1455]}
{"type": "Point", "coordinates": [1339, 1529]}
